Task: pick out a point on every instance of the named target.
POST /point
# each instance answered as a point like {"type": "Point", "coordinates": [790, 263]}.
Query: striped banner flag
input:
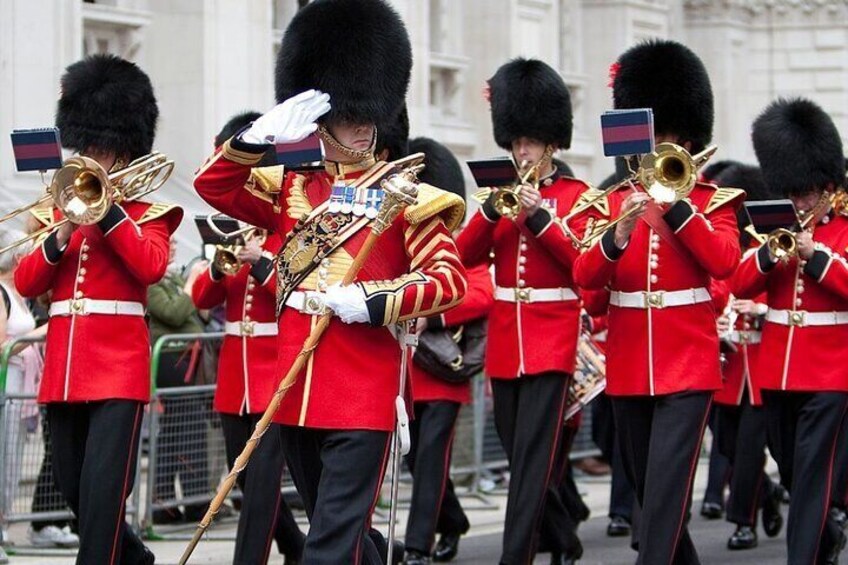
{"type": "Point", "coordinates": [304, 152]}
{"type": "Point", "coordinates": [628, 132]}
{"type": "Point", "coordinates": [37, 149]}
{"type": "Point", "coordinates": [768, 215]}
{"type": "Point", "coordinates": [493, 172]}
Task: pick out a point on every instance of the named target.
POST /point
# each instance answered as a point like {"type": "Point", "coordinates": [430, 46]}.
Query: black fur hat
{"type": "Point", "coordinates": [530, 99]}
{"type": "Point", "coordinates": [712, 171]}
{"type": "Point", "coordinates": [394, 137]}
{"type": "Point", "coordinates": [107, 103]}
{"type": "Point", "coordinates": [798, 147]}
{"type": "Point", "coordinates": [747, 177]}
{"type": "Point", "coordinates": [669, 78]}
{"type": "Point", "coordinates": [234, 125]}
{"type": "Point", "coordinates": [357, 51]}
{"type": "Point", "coordinates": [442, 170]}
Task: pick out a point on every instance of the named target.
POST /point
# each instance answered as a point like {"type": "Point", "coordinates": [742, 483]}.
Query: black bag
{"type": "Point", "coordinates": [454, 355]}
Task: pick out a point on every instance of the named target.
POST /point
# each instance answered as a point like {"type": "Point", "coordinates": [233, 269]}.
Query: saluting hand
{"type": "Point", "coordinates": [291, 121]}
{"type": "Point", "coordinates": [637, 202]}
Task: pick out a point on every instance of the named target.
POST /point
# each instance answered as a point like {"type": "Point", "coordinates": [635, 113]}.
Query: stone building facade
{"type": "Point", "coordinates": [211, 58]}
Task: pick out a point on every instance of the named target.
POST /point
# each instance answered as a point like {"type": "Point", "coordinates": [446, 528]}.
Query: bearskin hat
{"type": "Point", "coordinates": [357, 51]}
{"type": "Point", "coordinates": [798, 147]}
{"type": "Point", "coordinates": [107, 103]}
{"type": "Point", "coordinates": [713, 170]}
{"type": "Point", "coordinates": [394, 137]}
{"type": "Point", "coordinates": [669, 78]}
{"type": "Point", "coordinates": [234, 125]}
{"type": "Point", "coordinates": [530, 99]}
{"type": "Point", "coordinates": [441, 169]}
{"type": "Point", "coordinates": [747, 177]}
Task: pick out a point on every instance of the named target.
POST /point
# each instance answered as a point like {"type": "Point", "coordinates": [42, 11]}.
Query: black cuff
{"type": "Point", "coordinates": [489, 211]}
{"type": "Point", "coordinates": [262, 269]}
{"type": "Point", "coordinates": [51, 249]}
{"type": "Point", "coordinates": [539, 221]}
{"type": "Point", "coordinates": [113, 217]}
{"type": "Point", "coordinates": [435, 323]}
{"type": "Point", "coordinates": [677, 216]}
{"type": "Point", "coordinates": [612, 251]}
{"type": "Point", "coordinates": [376, 309]}
{"type": "Point", "coordinates": [817, 264]}
{"type": "Point", "coordinates": [764, 261]}
{"type": "Point", "coordinates": [238, 144]}
{"type": "Point", "coordinates": [215, 272]}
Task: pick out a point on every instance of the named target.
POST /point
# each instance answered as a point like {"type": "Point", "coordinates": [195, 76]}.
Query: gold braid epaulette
{"type": "Point", "coordinates": [266, 183]}
{"type": "Point", "coordinates": [432, 201]}
{"type": "Point", "coordinates": [721, 196]}
{"type": "Point", "coordinates": [156, 210]}
{"type": "Point", "coordinates": [600, 204]}
{"type": "Point", "coordinates": [43, 215]}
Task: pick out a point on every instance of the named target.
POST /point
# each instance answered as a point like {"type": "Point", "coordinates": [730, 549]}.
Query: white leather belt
{"type": "Point", "coordinates": [659, 298]}
{"type": "Point", "coordinates": [250, 329]}
{"type": "Point", "coordinates": [804, 318]}
{"type": "Point", "coordinates": [534, 294]}
{"type": "Point", "coordinates": [85, 306]}
{"type": "Point", "coordinates": [745, 337]}
{"type": "Point", "coordinates": [309, 302]}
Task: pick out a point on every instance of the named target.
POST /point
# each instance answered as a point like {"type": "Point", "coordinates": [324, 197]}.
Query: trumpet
{"type": "Point", "coordinates": [668, 175]}
{"type": "Point", "coordinates": [84, 191]}
{"type": "Point", "coordinates": [507, 200]}
{"type": "Point", "coordinates": [226, 255]}
{"type": "Point", "coordinates": [782, 243]}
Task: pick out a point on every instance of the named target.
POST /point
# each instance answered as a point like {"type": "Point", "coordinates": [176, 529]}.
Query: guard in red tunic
{"type": "Point", "coordinates": [247, 379]}
{"type": "Point", "coordinates": [662, 345]}
{"type": "Point", "coordinates": [338, 417]}
{"type": "Point", "coordinates": [96, 377]}
{"type": "Point", "coordinates": [435, 506]}
{"type": "Point", "coordinates": [740, 417]}
{"type": "Point", "coordinates": [804, 377]}
{"type": "Point", "coordinates": [534, 323]}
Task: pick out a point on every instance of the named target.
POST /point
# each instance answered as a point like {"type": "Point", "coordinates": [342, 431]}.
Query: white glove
{"type": "Point", "coordinates": [290, 121]}
{"type": "Point", "coordinates": [348, 302]}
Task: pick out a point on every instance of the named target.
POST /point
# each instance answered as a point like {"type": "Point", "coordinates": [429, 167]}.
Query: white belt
{"type": "Point", "coordinates": [250, 329]}
{"type": "Point", "coordinates": [804, 318]}
{"type": "Point", "coordinates": [659, 298]}
{"type": "Point", "coordinates": [534, 294]}
{"type": "Point", "coordinates": [85, 306]}
{"type": "Point", "coordinates": [745, 337]}
{"type": "Point", "coordinates": [309, 302]}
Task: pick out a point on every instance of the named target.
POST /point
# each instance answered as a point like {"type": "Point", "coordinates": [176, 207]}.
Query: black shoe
{"type": "Point", "coordinates": [168, 516]}
{"type": "Point", "coordinates": [711, 510]}
{"type": "Point", "coordinates": [147, 557]}
{"type": "Point", "coordinates": [745, 537]}
{"type": "Point", "coordinates": [414, 557]}
{"type": "Point", "coordinates": [835, 527]}
{"type": "Point", "coordinates": [618, 527]}
{"type": "Point", "coordinates": [772, 520]}
{"type": "Point", "coordinates": [446, 548]}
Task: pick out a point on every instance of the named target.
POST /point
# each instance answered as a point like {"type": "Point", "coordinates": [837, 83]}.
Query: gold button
{"type": "Point", "coordinates": [78, 294]}
{"type": "Point", "coordinates": [80, 280]}
{"type": "Point", "coordinates": [82, 271]}
{"type": "Point", "coordinates": [85, 256]}
{"type": "Point", "coordinates": [654, 279]}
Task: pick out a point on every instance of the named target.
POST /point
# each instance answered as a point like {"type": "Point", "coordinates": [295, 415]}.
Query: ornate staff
{"type": "Point", "coordinates": [399, 191]}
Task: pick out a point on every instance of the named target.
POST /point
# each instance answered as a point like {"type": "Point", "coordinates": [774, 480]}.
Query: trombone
{"type": "Point", "coordinates": [226, 254]}
{"type": "Point", "coordinates": [84, 191]}
{"type": "Point", "coordinates": [782, 243]}
{"type": "Point", "coordinates": [668, 175]}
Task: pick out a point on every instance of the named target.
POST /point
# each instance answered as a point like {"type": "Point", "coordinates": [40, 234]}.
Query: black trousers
{"type": "Point", "coordinates": [839, 495]}
{"type": "Point", "coordinates": [95, 445]}
{"type": "Point", "coordinates": [558, 534]}
{"type": "Point", "coordinates": [719, 467]}
{"type": "Point", "coordinates": [338, 473]}
{"type": "Point", "coordinates": [803, 428]}
{"type": "Point", "coordinates": [452, 518]}
{"type": "Point", "coordinates": [528, 417]}
{"type": "Point", "coordinates": [429, 459]}
{"type": "Point", "coordinates": [604, 436]}
{"type": "Point", "coordinates": [264, 516]}
{"type": "Point", "coordinates": [742, 439]}
{"type": "Point", "coordinates": [46, 497]}
{"type": "Point", "coordinates": [660, 443]}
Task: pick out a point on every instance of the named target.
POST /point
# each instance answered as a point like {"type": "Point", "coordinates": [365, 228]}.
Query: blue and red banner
{"type": "Point", "coordinates": [294, 155]}
{"type": "Point", "coordinates": [628, 132]}
{"type": "Point", "coordinates": [37, 149]}
{"type": "Point", "coordinates": [768, 215]}
{"type": "Point", "coordinates": [494, 172]}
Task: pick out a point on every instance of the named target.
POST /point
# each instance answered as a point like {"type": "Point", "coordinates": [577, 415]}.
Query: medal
{"type": "Point", "coordinates": [336, 197]}
{"type": "Point", "coordinates": [359, 202]}
{"type": "Point", "coordinates": [372, 202]}
{"type": "Point", "coordinates": [347, 200]}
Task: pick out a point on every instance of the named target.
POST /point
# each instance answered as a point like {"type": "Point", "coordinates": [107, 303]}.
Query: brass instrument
{"type": "Point", "coordinates": [226, 255]}
{"type": "Point", "coordinates": [668, 175]}
{"type": "Point", "coordinates": [507, 201]}
{"type": "Point", "coordinates": [84, 191]}
{"type": "Point", "coordinates": [782, 243]}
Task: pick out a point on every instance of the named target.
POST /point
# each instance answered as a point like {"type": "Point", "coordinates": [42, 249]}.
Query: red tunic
{"type": "Point", "coordinates": [351, 380]}
{"type": "Point", "coordinates": [529, 253]}
{"type": "Point", "coordinates": [476, 304]}
{"type": "Point", "coordinates": [92, 357]}
{"type": "Point", "coordinates": [247, 376]}
{"type": "Point", "coordinates": [653, 351]}
{"type": "Point", "coordinates": [741, 370]}
{"type": "Point", "coordinates": [802, 357]}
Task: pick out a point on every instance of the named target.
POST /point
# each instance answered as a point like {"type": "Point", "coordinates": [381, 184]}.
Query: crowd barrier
{"type": "Point", "coordinates": [182, 456]}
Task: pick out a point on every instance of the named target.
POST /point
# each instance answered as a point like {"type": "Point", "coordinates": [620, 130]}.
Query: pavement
{"type": "Point", "coordinates": [480, 546]}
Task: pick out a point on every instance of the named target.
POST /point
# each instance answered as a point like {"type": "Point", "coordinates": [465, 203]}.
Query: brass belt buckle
{"type": "Point", "coordinates": [246, 329]}
{"type": "Point", "coordinates": [655, 299]}
{"type": "Point", "coordinates": [522, 295]}
{"type": "Point", "coordinates": [796, 318]}
{"type": "Point", "coordinates": [77, 306]}
{"type": "Point", "coordinates": [313, 304]}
